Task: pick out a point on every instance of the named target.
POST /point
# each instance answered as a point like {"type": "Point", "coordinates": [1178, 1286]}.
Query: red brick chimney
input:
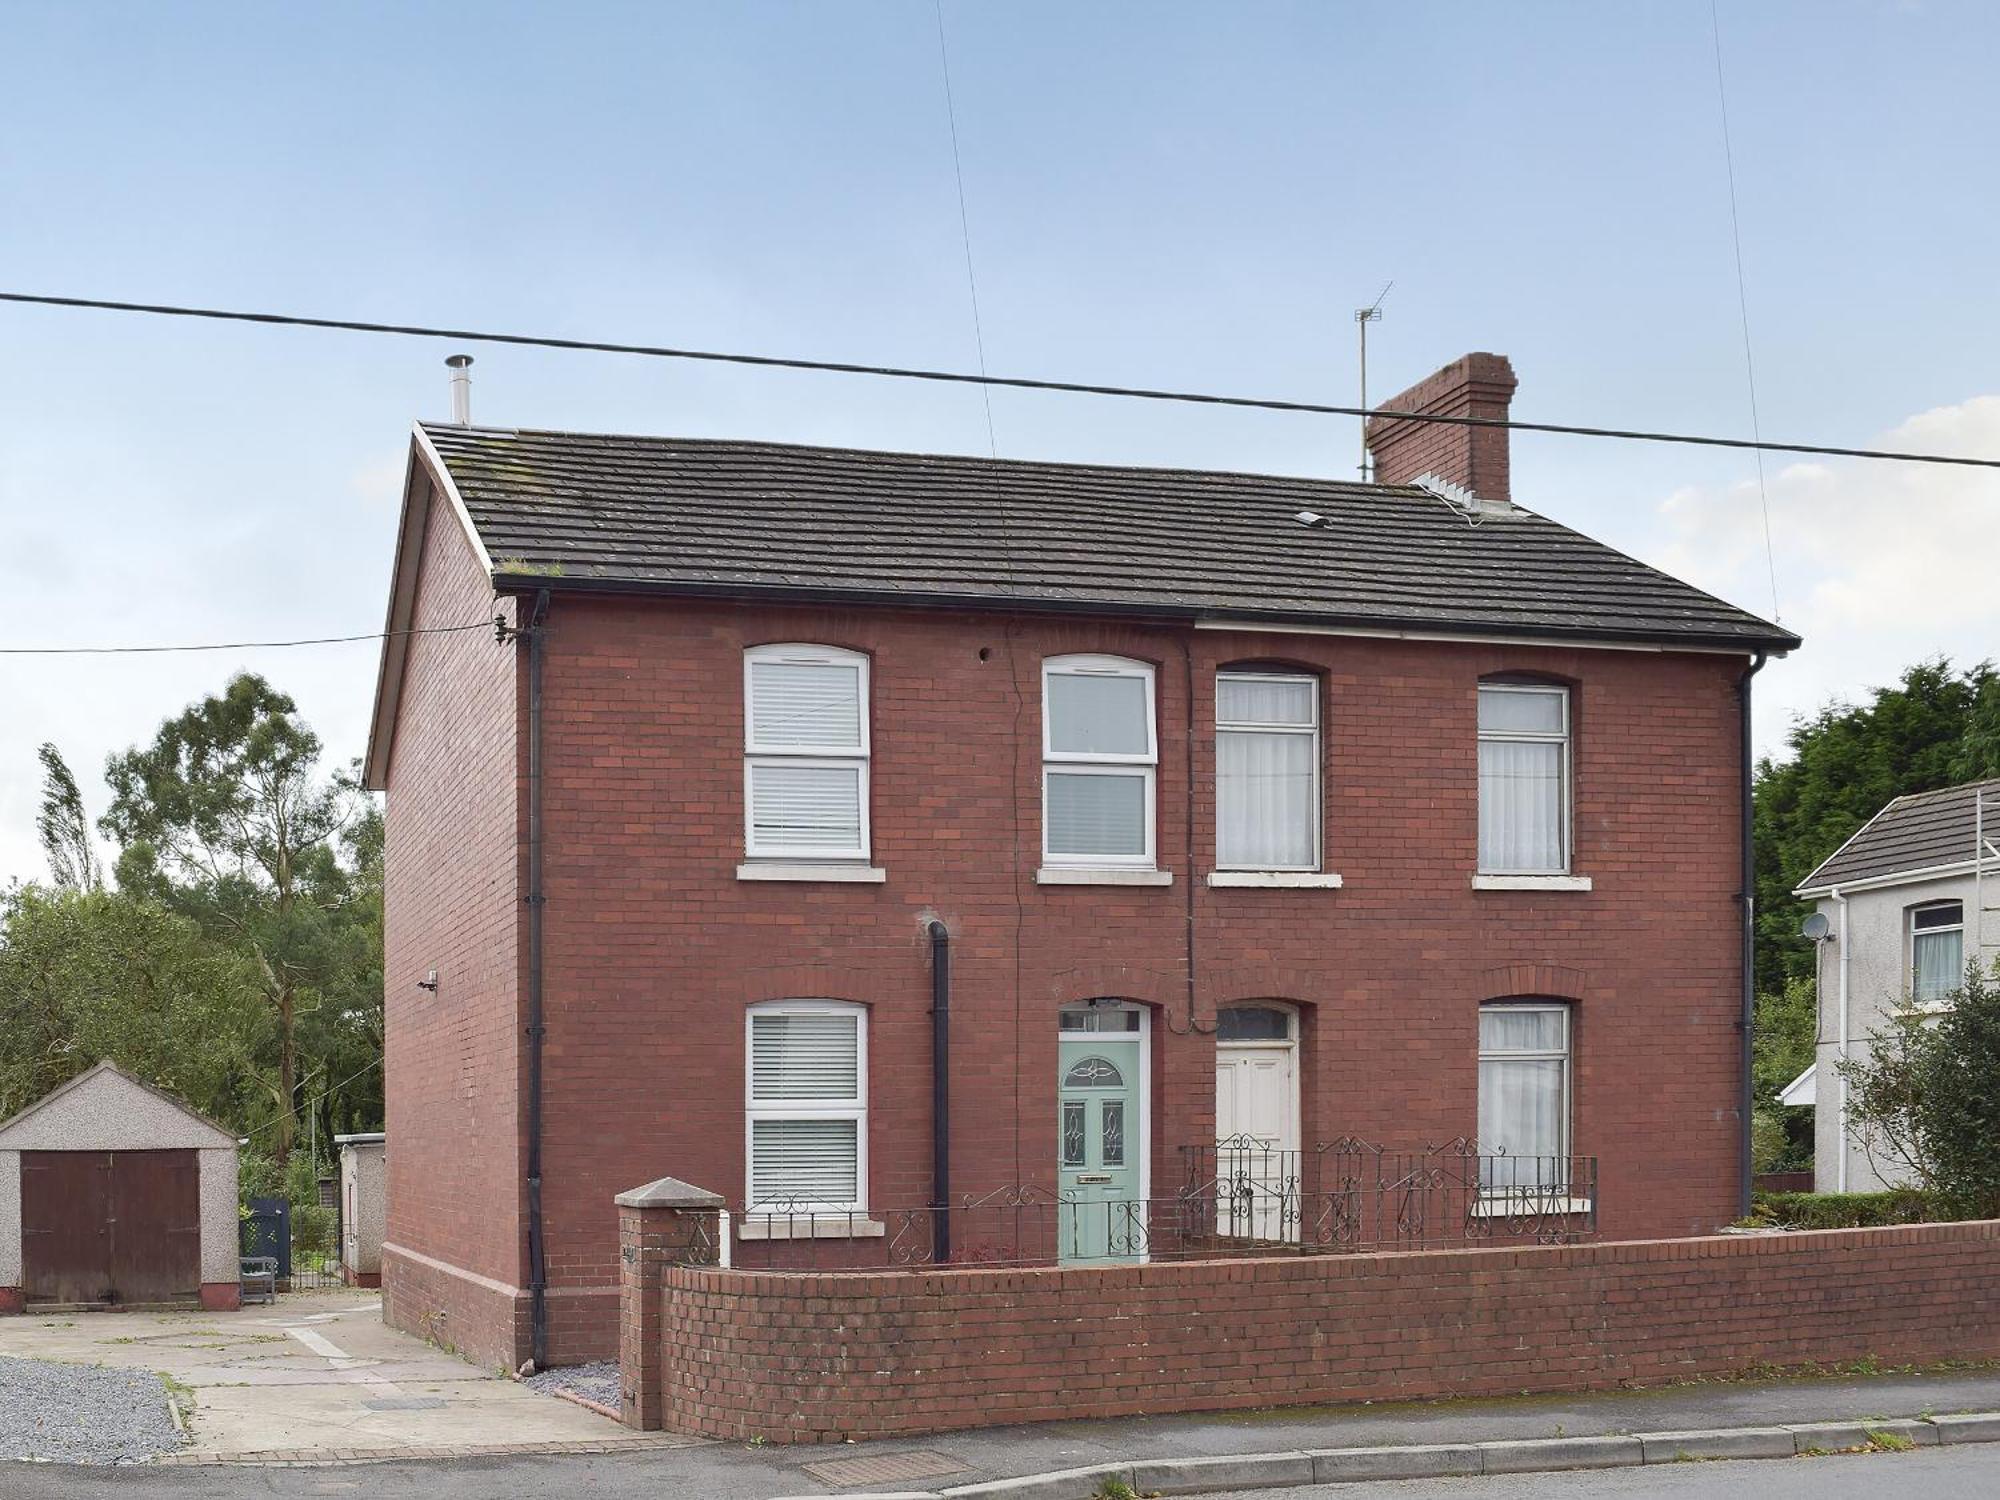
{"type": "Point", "coordinates": [1476, 385]}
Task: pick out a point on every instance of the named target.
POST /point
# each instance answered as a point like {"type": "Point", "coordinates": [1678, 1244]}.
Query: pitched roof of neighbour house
{"type": "Point", "coordinates": [1917, 836]}
{"type": "Point", "coordinates": [578, 511]}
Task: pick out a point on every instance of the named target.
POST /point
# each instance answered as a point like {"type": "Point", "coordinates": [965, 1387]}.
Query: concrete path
{"type": "Point", "coordinates": [317, 1377]}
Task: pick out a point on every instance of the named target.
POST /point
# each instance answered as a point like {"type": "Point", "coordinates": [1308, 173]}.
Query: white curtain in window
{"type": "Point", "coordinates": [1520, 1117]}
{"type": "Point", "coordinates": [1265, 807]}
{"type": "Point", "coordinates": [1097, 715]}
{"type": "Point", "coordinates": [1096, 814]}
{"type": "Point", "coordinates": [1939, 964]}
{"type": "Point", "coordinates": [805, 704]}
{"type": "Point", "coordinates": [1264, 700]}
{"type": "Point", "coordinates": [1521, 806]}
{"type": "Point", "coordinates": [799, 806]}
{"type": "Point", "coordinates": [804, 1162]}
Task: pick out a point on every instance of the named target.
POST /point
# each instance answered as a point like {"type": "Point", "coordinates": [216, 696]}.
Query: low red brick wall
{"type": "Point", "coordinates": [815, 1358]}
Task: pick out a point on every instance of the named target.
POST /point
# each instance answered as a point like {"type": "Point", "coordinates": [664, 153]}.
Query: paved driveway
{"type": "Point", "coordinates": [316, 1376]}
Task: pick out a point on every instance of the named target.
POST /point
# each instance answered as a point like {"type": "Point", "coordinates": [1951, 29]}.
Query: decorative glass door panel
{"type": "Point", "coordinates": [1102, 1216]}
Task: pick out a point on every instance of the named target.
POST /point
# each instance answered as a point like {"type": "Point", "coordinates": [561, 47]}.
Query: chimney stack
{"type": "Point", "coordinates": [1475, 458]}
{"type": "Point", "coordinates": [460, 366]}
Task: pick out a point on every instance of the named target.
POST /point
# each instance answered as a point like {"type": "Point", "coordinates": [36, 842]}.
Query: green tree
{"type": "Point", "coordinates": [227, 817]}
{"type": "Point", "coordinates": [1926, 1092]}
{"type": "Point", "coordinates": [89, 975]}
{"type": "Point", "coordinates": [64, 827]}
{"type": "Point", "coordinates": [1783, 1046]}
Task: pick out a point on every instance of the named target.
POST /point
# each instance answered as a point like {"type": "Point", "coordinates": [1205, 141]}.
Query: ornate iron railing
{"type": "Point", "coordinates": [1237, 1199]}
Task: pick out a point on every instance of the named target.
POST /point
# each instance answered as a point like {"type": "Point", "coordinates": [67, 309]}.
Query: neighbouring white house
{"type": "Point", "coordinates": [1908, 902]}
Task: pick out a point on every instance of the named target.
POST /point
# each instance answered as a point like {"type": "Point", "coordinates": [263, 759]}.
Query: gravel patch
{"type": "Point", "coordinates": [82, 1414]}
{"type": "Point", "coordinates": [594, 1382]}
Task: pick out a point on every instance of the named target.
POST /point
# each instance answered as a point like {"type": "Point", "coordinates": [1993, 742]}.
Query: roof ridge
{"type": "Point", "coordinates": [977, 460]}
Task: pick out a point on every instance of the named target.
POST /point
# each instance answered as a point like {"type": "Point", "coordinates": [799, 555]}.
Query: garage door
{"type": "Point", "coordinates": [110, 1226]}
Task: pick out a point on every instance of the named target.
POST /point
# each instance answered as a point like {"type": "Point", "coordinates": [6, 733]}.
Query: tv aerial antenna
{"type": "Point", "coordinates": [1363, 316]}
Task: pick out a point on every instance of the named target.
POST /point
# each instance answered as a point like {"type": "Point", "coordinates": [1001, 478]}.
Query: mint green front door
{"type": "Point", "coordinates": [1102, 1217]}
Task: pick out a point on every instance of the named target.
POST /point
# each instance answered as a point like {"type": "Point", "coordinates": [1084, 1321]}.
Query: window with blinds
{"type": "Point", "coordinates": [1266, 772]}
{"type": "Point", "coordinates": [806, 1107]}
{"type": "Point", "coordinates": [805, 770]}
{"type": "Point", "coordinates": [1099, 755]}
{"type": "Point", "coordinates": [1524, 779]}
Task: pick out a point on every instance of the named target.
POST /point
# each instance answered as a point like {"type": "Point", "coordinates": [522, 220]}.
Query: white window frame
{"type": "Point", "coordinates": [1084, 763]}
{"type": "Point", "coordinates": [857, 1111]}
{"type": "Point", "coordinates": [1566, 1054]}
{"type": "Point", "coordinates": [1308, 731]}
{"type": "Point", "coordinates": [1911, 934]}
{"type": "Point", "coordinates": [808, 757]}
{"type": "Point", "coordinates": [1565, 808]}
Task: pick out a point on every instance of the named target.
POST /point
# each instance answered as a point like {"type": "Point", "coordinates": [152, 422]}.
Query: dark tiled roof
{"type": "Point", "coordinates": [1917, 832]}
{"type": "Point", "coordinates": [576, 510]}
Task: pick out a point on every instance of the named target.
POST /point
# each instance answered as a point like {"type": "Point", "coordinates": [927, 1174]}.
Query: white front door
{"type": "Point", "coordinates": [1257, 1123]}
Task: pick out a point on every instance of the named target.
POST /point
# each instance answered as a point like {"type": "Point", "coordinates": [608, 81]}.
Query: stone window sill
{"type": "Point", "coordinates": [781, 870]}
{"type": "Point", "coordinates": [1531, 882]}
{"type": "Point", "coordinates": [809, 1227]}
{"type": "Point", "coordinates": [1273, 880]}
{"type": "Point", "coordinates": [1498, 1205]}
{"type": "Point", "coordinates": [1071, 875]}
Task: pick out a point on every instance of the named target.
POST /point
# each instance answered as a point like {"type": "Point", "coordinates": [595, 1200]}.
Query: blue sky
{"type": "Point", "coordinates": [1158, 194]}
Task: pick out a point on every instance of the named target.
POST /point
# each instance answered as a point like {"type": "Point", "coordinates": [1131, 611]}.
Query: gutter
{"type": "Point", "coordinates": [1201, 616]}
{"type": "Point", "coordinates": [940, 936]}
{"type": "Point", "coordinates": [1840, 1074]}
{"type": "Point", "coordinates": [1748, 1101]}
{"type": "Point", "coordinates": [536, 636]}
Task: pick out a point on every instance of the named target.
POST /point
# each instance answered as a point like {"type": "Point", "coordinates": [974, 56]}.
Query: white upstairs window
{"type": "Point", "coordinates": [805, 766]}
{"type": "Point", "coordinates": [806, 1107]}
{"type": "Point", "coordinates": [1266, 771]}
{"type": "Point", "coordinates": [1099, 756]}
{"type": "Point", "coordinates": [1937, 951]}
{"type": "Point", "coordinates": [1524, 779]}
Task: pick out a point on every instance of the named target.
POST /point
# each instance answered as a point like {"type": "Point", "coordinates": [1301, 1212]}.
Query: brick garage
{"type": "Point", "coordinates": [789, 1358]}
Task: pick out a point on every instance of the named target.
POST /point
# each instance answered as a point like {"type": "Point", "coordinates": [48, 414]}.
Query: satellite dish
{"type": "Point", "coordinates": [1817, 927]}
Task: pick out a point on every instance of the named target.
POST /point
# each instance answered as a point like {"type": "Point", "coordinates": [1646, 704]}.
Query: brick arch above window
{"type": "Point", "coordinates": [1136, 983]}
{"type": "Point", "coordinates": [1531, 981]}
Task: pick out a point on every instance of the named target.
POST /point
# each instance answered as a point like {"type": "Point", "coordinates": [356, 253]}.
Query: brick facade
{"type": "Point", "coordinates": [823, 1358]}
{"type": "Point", "coordinates": [654, 947]}
{"type": "Point", "coordinates": [452, 1253]}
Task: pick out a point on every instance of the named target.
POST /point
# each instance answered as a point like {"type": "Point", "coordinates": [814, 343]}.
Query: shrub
{"type": "Point", "coordinates": [1929, 1087]}
{"type": "Point", "coordinates": [1844, 1210]}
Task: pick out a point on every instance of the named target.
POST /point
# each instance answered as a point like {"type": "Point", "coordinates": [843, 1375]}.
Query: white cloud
{"type": "Point", "coordinates": [1879, 564]}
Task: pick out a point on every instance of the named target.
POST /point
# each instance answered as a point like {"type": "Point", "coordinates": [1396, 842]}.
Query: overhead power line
{"type": "Point", "coordinates": [319, 640]}
{"type": "Point", "coordinates": [960, 377]}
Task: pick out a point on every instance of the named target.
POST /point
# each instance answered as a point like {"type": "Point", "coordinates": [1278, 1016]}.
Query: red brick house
{"type": "Point", "coordinates": [1296, 807]}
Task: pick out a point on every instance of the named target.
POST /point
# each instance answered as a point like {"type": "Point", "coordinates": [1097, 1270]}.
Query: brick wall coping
{"type": "Point", "coordinates": [668, 1192]}
{"type": "Point", "coordinates": [1329, 1265]}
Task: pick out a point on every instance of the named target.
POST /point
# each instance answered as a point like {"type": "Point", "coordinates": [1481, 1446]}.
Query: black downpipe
{"type": "Point", "coordinates": [941, 1090]}
{"type": "Point", "coordinates": [1748, 1103]}
{"type": "Point", "coordinates": [538, 1271]}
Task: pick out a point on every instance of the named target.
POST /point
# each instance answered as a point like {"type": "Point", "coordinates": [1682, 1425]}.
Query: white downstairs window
{"type": "Point", "coordinates": [1524, 1085]}
{"type": "Point", "coordinates": [806, 1107]}
{"type": "Point", "coordinates": [805, 765]}
{"type": "Point", "coordinates": [1099, 756]}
